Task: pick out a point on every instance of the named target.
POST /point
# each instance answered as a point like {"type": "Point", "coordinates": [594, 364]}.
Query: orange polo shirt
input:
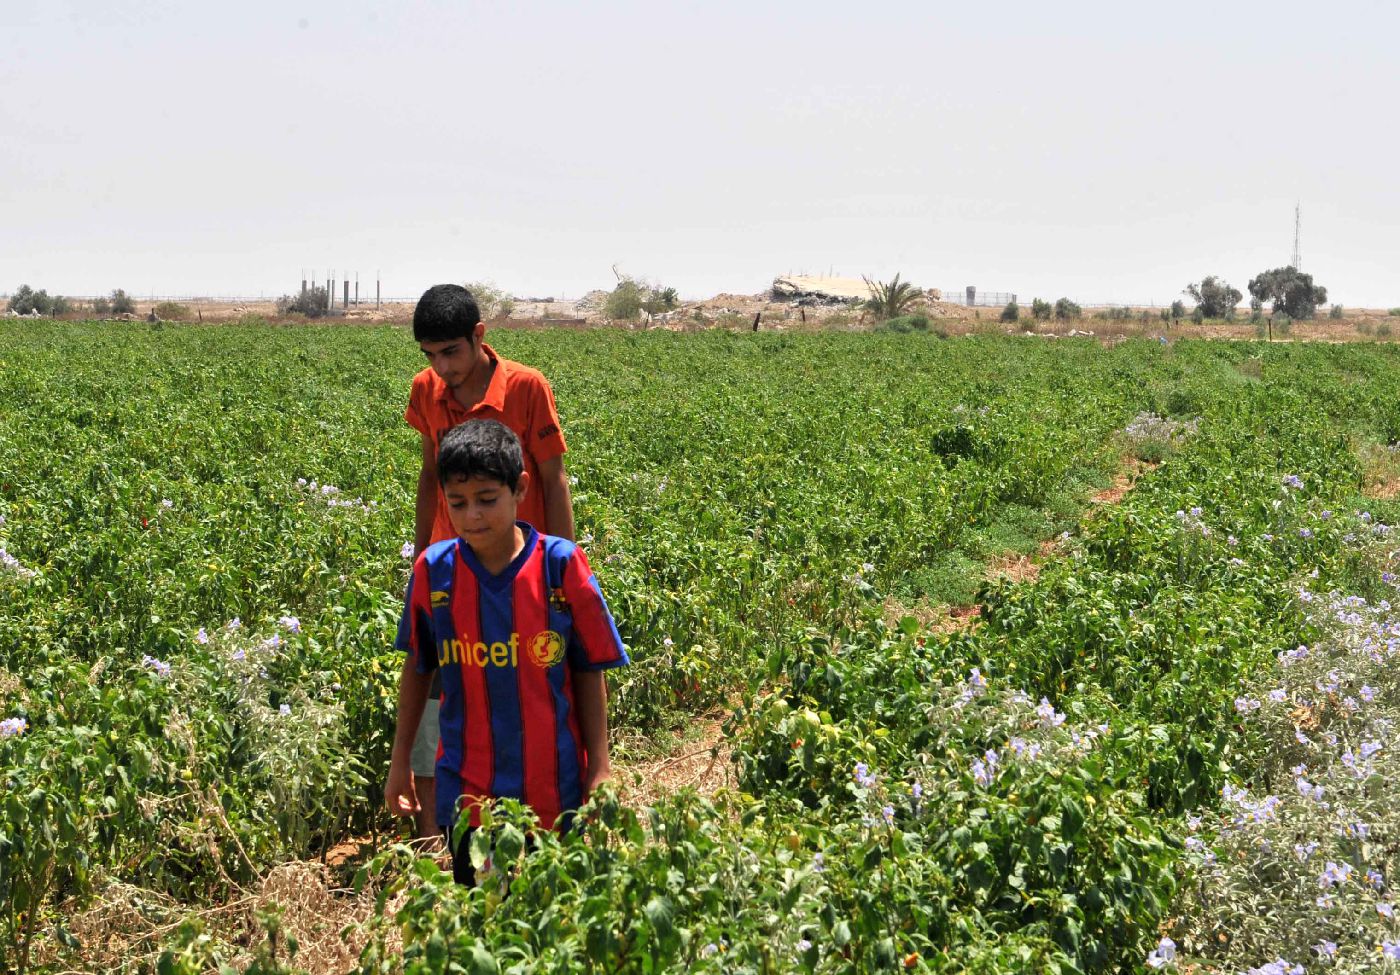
{"type": "Point", "coordinates": [519, 397]}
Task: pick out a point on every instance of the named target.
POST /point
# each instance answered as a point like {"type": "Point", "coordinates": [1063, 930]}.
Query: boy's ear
{"type": "Point", "coordinates": [478, 332]}
{"type": "Point", "coordinates": [522, 486]}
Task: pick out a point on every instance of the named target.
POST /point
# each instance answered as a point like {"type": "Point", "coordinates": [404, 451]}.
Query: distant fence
{"type": "Point", "coordinates": [973, 298]}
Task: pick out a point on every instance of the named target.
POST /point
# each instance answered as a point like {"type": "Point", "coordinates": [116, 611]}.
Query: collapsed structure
{"type": "Point", "coordinates": [807, 290]}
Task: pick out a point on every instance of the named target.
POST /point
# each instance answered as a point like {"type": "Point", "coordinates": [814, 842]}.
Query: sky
{"type": "Point", "coordinates": [1107, 152]}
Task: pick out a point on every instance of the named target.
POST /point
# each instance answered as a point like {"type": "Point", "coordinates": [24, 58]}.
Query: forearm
{"type": "Point", "coordinates": [413, 697]}
{"type": "Point", "coordinates": [591, 696]}
{"type": "Point", "coordinates": [558, 508]}
{"type": "Point", "coordinates": [425, 511]}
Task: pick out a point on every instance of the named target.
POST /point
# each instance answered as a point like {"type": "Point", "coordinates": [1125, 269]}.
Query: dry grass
{"type": "Point", "coordinates": [125, 927]}
{"type": "Point", "coordinates": [1382, 467]}
{"type": "Point", "coordinates": [701, 762]}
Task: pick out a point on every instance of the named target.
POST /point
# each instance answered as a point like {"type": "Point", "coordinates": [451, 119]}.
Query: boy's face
{"type": "Point", "coordinates": [482, 510]}
{"type": "Point", "coordinates": [454, 359]}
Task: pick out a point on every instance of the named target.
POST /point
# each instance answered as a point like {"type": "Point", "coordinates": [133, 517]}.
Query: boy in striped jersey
{"type": "Point", "coordinates": [517, 627]}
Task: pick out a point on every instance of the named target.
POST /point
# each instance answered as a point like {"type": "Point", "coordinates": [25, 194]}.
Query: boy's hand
{"type": "Point", "coordinates": [398, 791]}
{"type": "Point", "coordinates": [596, 776]}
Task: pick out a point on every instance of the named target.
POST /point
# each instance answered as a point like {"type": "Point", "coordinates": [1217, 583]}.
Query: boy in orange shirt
{"type": "Point", "coordinates": [466, 380]}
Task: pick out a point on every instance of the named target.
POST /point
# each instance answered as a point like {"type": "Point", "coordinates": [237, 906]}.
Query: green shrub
{"type": "Point", "coordinates": [101, 305]}
{"type": "Point", "coordinates": [1395, 312]}
{"type": "Point", "coordinates": [1283, 324]}
{"type": "Point", "coordinates": [1011, 313]}
{"type": "Point", "coordinates": [904, 324]}
{"type": "Point", "coordinates": [171, 311]}
{"type": "Point", "coordinates": [1066, 310]}
{"type": "Point", "coordinates": [1198, 315]}
{"type": "Point", "coordinates": [1178, 309]}
{"type": "Point", "coordinates": [60, 306]}
{"type": "Point", "coordinates": [122, 303]}
{"type": "Point", "coordinates": [1383, 330]}
{"type": "Point", "coordinates": [1364, 327]}
{"type": "Point", "coordinates": [1041, 310]}
{"type": "Point", "coordinates": [1336, 312]}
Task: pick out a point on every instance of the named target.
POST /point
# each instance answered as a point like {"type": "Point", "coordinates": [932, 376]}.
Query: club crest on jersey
{"type": "Point", "coordinates": [440, 598]}
{"type": "Point", "coordinates": [546, 648]}
{"type": "Point", "coordinates": [557, 602]}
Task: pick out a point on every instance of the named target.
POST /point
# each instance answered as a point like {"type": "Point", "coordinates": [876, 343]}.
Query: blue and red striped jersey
{"type": "Point", "coordinates": [507, 646]}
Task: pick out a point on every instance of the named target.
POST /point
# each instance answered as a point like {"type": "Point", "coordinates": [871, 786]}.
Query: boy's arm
{"type": "Point", "coordinates": [399, 795]}
{"type": "Point", "coordinates": [558, 501]}
{"type": "Point", "coordinates": [425, 510]}
{"type": "Point", "coordinates": [591, 698]}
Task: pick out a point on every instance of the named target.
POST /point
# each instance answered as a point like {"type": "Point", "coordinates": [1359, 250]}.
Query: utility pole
{"type": "Point", "coordinates": [1297, 237]}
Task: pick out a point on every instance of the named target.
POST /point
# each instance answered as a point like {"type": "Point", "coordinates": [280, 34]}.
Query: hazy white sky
{"type": "Point", "coordinates": [1104, 151]}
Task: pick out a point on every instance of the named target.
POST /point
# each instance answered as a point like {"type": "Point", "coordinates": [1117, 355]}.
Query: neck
{"type": "Point", "coordinates": [473, 390]}
{"type": "Point", "coordinates": [495, 560]}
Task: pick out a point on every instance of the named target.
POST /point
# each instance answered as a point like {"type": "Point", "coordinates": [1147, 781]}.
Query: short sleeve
{"type": "Point", "coordinates": [416, 413]}
{"type": "Point", "coordinates": [415, 636]}
{"type": "Point", "coordinates": [596, 644]}
{"type": "Point", "coordinates": [546, 436]}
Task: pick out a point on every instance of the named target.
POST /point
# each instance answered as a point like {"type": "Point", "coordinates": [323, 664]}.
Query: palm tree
{"type": "Point", "coordinates": [890, 299]}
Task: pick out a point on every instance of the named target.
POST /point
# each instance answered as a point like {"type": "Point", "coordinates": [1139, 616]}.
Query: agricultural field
{"type": "Point", "coordinates": [1169, 744]}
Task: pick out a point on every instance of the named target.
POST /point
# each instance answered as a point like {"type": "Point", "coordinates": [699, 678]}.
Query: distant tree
{"type": "Point", "coordinates": [1066, 309]}
{"type": "Point", "coordinates": [59, 305]}
{"type": "Point", "coordinates": [1041, 309]}
{"type": "Point", "coordinates": [890, 299]}
{"type": "Point", "coordinates": [1178, 309]}
{"type": "Point", "coordinates": [631, 297]}
{"type": "Point", "coordinates": [1336, 312]}
{"type": "Point", "coordinates": [1290, 291]}
{"type": "Point", "coordinates": [1011, 313]}
{"type": "Point", "coordinates": [122, 304]}
{"type": "Point", "coordinates": [625, 301]}
{"type": "Point", "coordinates": [491, 300]}
{"type": "Point", "coordinates": [313, 303]}
{"type": "Point", "coordinates": [659, 299]}
{"type": "Point", "coordinates": [26, 300]}
{"type": "Point", "coordinates": [101, 306]}
{"type": "Point", "coordinates": [1214, 297]}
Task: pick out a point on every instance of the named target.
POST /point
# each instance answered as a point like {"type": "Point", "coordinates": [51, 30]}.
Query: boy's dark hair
{"type": "Point", "coordinates": [485, 448]}
{"type": "Point", "coordinates": [445, 312]}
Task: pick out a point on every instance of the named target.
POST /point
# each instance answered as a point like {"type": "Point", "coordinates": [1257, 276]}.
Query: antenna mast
{"type": "Point", "coordinates": [1297, 237]}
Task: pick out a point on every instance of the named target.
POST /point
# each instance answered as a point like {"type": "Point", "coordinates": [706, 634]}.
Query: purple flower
{"type": "Point", "coordinates": [887, 812]}
{"type": "Point", "coordinates": [407, 550]}
{"type": "Point", "coordinates": [201, 637]}
{"type": "Point", "coordinates": [290, 623]}
{"type": "Point", "coordinates": [1391, 950]}
{"type": "Point", "coordinates": [1326, 948]}
{"type": "Point", "coordinates": [1384, 909]}
{"type": "Point", "coordinates": [161, 668]}
{"type": "Point", "coordinates": [10, 727]}
{"type": "Point", "coordinates": [1305, 533]}
{"type": "Point", "coordinates": [917, 790]}
{"type": "Point", "coordinates": [285, 710]}
{"type": "Point", "coordinates": [233, 624]}
{"type": "Point", "coordinates": [1049, 717]}
{"type": "Point", "coordinates": [1292, 481]}
{"type": "Point", "coordinates": [1163, 954]}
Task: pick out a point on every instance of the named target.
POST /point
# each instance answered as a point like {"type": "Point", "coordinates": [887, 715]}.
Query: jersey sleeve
{"type": "Point", "coordinates": [415, 635]}
{"type": "Point", "coordinates": [596, 644]}
{"type": "Point", "coordinates": [415, 414]}
{"type": "Point", "coordinates": [546, 436]}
